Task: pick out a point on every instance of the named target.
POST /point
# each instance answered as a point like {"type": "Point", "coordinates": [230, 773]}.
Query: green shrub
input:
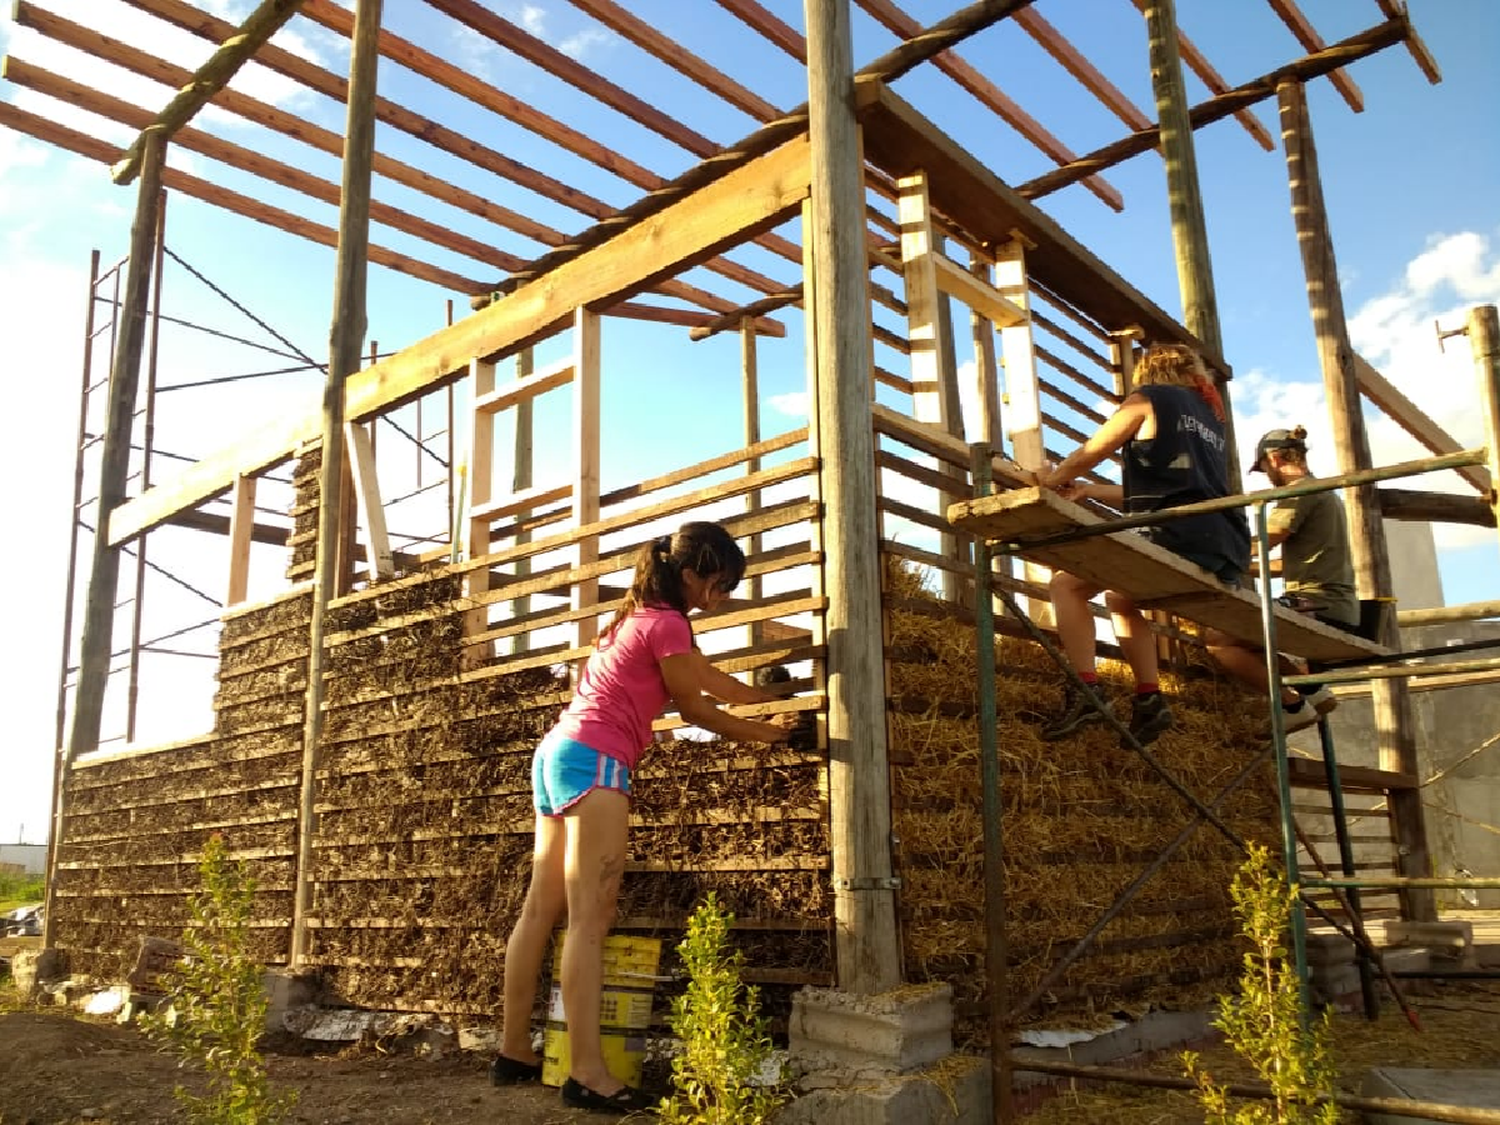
{"type": "Point", "coordinates": [724, 1040]}
{"type": "Point", "coordinates": [216, 1010]}
{"type": "Point", "coordinates": [1264, 1022]}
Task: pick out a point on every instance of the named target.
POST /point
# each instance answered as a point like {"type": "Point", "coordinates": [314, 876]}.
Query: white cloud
{"type": "Point", "coordinates": [584, 42]}
{"type": "Point", "coordinates": [793, 404]}
{"type": "Point", "coordinates": [533, 18]}
{"type": "Point", "coordinates": [18, 151]}
{"type": "Point", "coordinates": [476, 53]}
{"type": "Point", "coordinates": [1394, 331]}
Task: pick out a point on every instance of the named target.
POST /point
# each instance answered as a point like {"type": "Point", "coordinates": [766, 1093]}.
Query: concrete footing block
{"type": "Point", "coordinates": [31, 968]}
{"type": "Point", "coordinates": [1446, 941]}
{"type": "Point", "coordinates": [894, 1031]}
{"type": "Point", "coordinates": [287, 991]}
{"type": "Point", "coordinates": [955, 1091]}
{"type": "Point", "coordinates": [1464, 1089]}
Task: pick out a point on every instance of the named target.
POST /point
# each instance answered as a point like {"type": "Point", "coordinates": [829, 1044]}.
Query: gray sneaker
{"type": "Point", "coordinates": [1077, 712]}
{"type": "Point", "coordinates": [1149, 717]}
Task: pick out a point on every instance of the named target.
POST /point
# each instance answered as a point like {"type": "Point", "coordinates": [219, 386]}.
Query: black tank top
{"type": "Point", "coordinates": [1186, 461]}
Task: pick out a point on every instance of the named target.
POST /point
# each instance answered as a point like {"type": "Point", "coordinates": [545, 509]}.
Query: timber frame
{"type": "Point", "coordinates": [1064, 325]}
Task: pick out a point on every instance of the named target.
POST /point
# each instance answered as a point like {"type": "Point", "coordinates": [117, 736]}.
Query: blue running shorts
{"type": "Point", "coordinates": [564, 771]}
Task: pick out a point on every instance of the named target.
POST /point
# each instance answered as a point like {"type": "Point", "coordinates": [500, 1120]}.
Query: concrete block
{"type": "Point", "coordinates": [955, 1091]}
{"type": "Point", "coordinates": [893, 1031]}
{"type": "Point", "coordinates": [285, 991]}
{"type": "Point", "coordinates": [32, 967]}
{"type": "Point", "coordinates": [485, 1040]}
{"type": "Point", "coordinates": [1468, 1089]}
{"type": "Point", "coordinates": [1437, 936]}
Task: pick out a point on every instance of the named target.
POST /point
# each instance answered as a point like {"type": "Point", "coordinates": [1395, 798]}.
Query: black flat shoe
{"type": "Point", "coordinates": [627, 1099]}
{"type": "Point", "coordinates": [506, 1071]}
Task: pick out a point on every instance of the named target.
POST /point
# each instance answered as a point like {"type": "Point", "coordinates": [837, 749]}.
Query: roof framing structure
{"type": "Point", "coordinates": [754, 287]}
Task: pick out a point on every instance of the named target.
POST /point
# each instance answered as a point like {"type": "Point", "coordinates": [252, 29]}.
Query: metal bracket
{"type": "Point", "coordinates": [878, 883]}
{"type": "Point", "coordinates": [1441, 335]}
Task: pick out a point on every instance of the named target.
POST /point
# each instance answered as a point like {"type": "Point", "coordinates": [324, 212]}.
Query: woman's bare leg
{"type": "Point", "coordinates": [546, 898]}
{"type": "Point", "coordinates": [597, 828]}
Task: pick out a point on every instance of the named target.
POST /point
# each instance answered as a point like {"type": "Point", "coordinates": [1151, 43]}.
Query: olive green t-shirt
{"type": "Point", "coordinates": [1315, 559]}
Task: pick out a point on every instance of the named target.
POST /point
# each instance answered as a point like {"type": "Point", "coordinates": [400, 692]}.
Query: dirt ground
{"type": "Point", "coordinates": [60, 1068]}
{"type": "Point", "coordinates": [57, 1068]}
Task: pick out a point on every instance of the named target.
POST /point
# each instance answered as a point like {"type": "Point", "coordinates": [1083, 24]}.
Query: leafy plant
{"type": "Point", "coordinates": [19, 890]}
{"type": "Point", "coordinates": [216, 1008]}
{"type": "Point", "coordinates": [724, 1039]}
{"type": "Point", "coordinates": [1264, 1023]}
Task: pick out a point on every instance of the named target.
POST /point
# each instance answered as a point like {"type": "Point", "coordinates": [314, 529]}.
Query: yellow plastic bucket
{"type": "Point", "coordinates": [630, 965]}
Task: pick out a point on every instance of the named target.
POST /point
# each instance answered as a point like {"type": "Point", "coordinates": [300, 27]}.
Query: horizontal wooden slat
{"type": "Point", "coordinates": [523, 501]}
{"type": "Point", "coordinates": [559, 374]}
{"type": "Point", "coordinates": [977, 293]}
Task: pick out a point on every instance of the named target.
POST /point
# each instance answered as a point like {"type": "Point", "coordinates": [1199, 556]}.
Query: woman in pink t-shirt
{"type": "Point", "coordinates": [581, 790]}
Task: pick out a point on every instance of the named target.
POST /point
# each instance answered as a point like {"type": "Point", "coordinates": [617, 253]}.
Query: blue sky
{"type": "Point", "coordinates": [1413, 185]}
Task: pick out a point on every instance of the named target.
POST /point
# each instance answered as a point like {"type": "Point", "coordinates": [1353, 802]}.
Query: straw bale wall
{"type": "Point", "coordinates": [137, 822]}
{"type": "Point", "coordinates": [1081, 818]}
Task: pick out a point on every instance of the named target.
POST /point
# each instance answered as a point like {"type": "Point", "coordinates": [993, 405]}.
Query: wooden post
{"type": "Point", "coordinates": [114, 472]}
{"type": "Point", "coordinates": [586, 378]}
{"type": "Point", "coordinates": [750, 387]}
{"type": "Point", "coordinates": [1484, 339]}
{"type": "Point", "coordinates": [869, 955]}
{"type": "Point", "coordinates": [148, 449]}
{"type": "Point", "coordinates": [986, 365]}
{"type": "Point", "coordinates": [1195, 275]}
{"type": "Point", "coordinates": [934, 374]}
{"type": "Point", "coordinates": [346, 337]}
{"type": "Point", "coordinates": [1393, 717]}
{"type": "Point", "coordinates": [241, 534]}
{"type": "Point", "coordinates": [1023, 393]}
{"type": "Point", "coordinates": [522, 478]}
{"type": "Point", "coordinates": [481, 475]}
{"type": "Point", "coordinates": [380, 562]}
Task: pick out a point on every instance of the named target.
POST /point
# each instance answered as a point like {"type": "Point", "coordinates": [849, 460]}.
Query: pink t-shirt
{"type": "Point", "coordinates": [622, 690]}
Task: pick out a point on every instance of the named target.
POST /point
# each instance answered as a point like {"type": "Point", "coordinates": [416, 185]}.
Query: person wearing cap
{"type": "Point", "coordinates": [1312, 532]}
{"type": "Point", "coordinates": [1170, 432]}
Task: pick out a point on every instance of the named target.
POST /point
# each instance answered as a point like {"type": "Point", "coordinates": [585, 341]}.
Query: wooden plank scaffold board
{"type": "Point", "coordinates": [1151, 575]}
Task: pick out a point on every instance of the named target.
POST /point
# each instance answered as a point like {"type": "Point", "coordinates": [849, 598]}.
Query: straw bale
{"type": "Point", "coordinates": [1081, 818]}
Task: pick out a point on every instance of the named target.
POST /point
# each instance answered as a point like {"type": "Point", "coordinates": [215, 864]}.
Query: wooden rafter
{"type": "Point", "coordinates": [209, 78]}
{"type": "Point", "coordinates": [1211, 78]}
{"type": "Point", "coordinates": [84, 145]}
{"type": "Point", "coordinates": [1056, 44]}
{"type": "Point", "coordinates": [1231, 101]}
{"type": "Point", "coordinates": [1396, 9]}
{"type": "Point", "coordinates": [1308, 36]}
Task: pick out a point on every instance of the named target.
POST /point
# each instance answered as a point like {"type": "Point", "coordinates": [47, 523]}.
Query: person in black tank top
{"type": "Point", "coordinates": [1171, 436]}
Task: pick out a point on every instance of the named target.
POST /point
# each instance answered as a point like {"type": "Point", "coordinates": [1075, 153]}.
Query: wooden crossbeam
{"type": "Point", "coordinates": [1411, 418]}
{"type": "Point", "coordinates": [1151, 575]}
{"type": "Point", "coordinates": [209, 78]}
{"type": "Point", "coordinates": [1311, 41]}
{"type": "Point", "coordinates": [559, 374]}
{"type": "Point", "coordinates": [977, 293]}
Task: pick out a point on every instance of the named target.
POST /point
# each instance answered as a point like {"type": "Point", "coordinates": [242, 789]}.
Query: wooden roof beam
{"type": "Point", "coordinates": [34, 125]}
{"type": "Point", "coordinates": [478, 18]}
{"type": "Point", "coordinates": [1216, 84]}
{"type": "Point", "coordinates": [481, 93]}
{"type": "Point", "coordinates": [1056, 44]}
{"type": "Point", "coordinates": [1396, 9]}
{"type": "Point", "coordinates": [148, 66]}
{"type": "Point", "coordinates": [209, 78]}
{"type": "Point", "coordinates": [1216, 108]}
{"type": "Point", "coordinates": [67, 90]}
{"type": "Point", "coordinates": [758, 18]}
{"type": "Point", "coordinates": [669, 51]}
{"type": "Point", "coordinates": [316, 78]}
{"type": "Point", "coordinates": [990, 95]}
{"type": "Point", "coordinates": [1311, 41]}
{"type": "Point", "coordinates": [890, 66]}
